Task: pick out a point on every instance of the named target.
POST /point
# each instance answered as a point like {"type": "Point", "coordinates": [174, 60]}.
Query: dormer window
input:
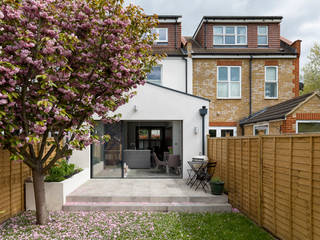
{"type": "Point", "coordinates": [162, 35]}
{"type": "Point", "coordinates": [263, 35]}
{"type": "Point", "coordinates": [229, 35]}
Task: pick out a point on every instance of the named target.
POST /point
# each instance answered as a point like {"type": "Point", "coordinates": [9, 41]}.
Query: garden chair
{"type": "Point", "coordinates": [158, 162]}
{"type": "Point", "coordinates": [174, 162]}
{"type": "Point", "coordinates": [204, 176]}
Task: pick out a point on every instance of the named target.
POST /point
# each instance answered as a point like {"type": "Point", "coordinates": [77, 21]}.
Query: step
{"type": "Point", "coordinates": [150, 199]}
{"type": "Point", "coordinates": [191, 207]}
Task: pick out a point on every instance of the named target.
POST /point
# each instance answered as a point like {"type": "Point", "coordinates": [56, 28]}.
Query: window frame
{"type": "Point", "coordinates": [229, 82]}
{"type": "Point", "coordinates": [224, 34]}
{"type": "Point", "coordinates": [267, 35]}
{"type": "Point", "coordinates": [260, 125]}
{"type": "Point", "coordinates": [157, 32]}
{"type": "Point", "coordinates": [266, 81]}
{"type": "Point", "coordinates": [305, 121]}
{"type": "Point", "coordinates": [161, 75]}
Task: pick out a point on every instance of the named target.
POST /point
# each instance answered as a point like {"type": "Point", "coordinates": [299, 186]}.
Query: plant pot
{"type": "Point", "coordinates": [217, 187]}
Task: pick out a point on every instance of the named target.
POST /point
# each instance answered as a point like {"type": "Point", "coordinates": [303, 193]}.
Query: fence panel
{"type": "Point", "coordinates": [274, 180]}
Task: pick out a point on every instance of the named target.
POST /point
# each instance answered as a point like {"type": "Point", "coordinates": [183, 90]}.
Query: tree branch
{"type": "Point", "coordinates": [43, 144]}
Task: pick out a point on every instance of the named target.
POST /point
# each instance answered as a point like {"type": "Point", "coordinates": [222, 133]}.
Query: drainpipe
{"type": "Point", "coordinates": [186, 61]}
{"type": "Point", "coordinates": [250, 85]}
{"type": "Point", "coordinates": [205, 34]}
{"type": "Point", "coordinates": [203, 112]}
{"type": "Point", "coordinates": [175, 34]}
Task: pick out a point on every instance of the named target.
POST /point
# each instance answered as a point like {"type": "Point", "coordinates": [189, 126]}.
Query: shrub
{"type": "Point", "coordinates": [61, 171]}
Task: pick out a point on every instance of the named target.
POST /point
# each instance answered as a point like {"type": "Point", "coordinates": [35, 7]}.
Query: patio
{"type": "Point", "coordinates": [143, 195]}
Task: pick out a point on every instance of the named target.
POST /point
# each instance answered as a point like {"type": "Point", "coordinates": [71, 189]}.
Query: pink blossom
{"type": "Point", "coordinates": [3, 101]}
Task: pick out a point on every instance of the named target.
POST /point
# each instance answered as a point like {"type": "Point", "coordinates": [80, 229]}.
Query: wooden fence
{"type": "Point", "coordinates": [274, 180]}
{"type": "Point", "coordinates": [12, 177]}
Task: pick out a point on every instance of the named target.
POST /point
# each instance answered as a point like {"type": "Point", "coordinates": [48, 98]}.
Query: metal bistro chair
{"type": "Point", "coordinates": [196, 167]}
{"type": "Point", "coordinates": [204, 176]}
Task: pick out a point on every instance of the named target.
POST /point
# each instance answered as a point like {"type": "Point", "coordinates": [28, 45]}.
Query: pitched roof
{"type": "Point", "coordinates": [278, 111]}
{"type": "Point", "coordinates": [285, 49]}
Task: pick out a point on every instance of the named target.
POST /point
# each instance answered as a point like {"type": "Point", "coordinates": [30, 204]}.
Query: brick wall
{"type": "Point", "coordinates": [232, 110]}
{"type": "Point", "coordinates": [274, 128]}
{"type": "Point", "coordinates": [252, 37]}
{"type": "Point", "coordinates": [171, 36]}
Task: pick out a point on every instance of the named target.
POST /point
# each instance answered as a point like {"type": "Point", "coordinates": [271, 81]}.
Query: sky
{"type": "Point", "coordinates": [301, 18]}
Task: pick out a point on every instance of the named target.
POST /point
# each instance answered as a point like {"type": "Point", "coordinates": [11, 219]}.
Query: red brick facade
{"type": "Point", "coordinates": [174, 33]}
{"type": "Point", "coordinates": [205, 34]}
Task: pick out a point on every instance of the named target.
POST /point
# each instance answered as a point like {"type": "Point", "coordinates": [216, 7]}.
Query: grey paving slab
{"type": "Point", "coordinates": [137, 187]}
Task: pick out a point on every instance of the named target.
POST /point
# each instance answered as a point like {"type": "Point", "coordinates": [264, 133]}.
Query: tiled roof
{"type": "Point", "coordinates": [169, 51]}
{"type": "Point", "coordinates": [278, 111]}
{"type": "Point", "coordinates": [284, 49]}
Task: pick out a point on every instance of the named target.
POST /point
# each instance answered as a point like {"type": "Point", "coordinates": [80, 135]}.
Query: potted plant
{"type": "Point", "coordinates": [217, 186]}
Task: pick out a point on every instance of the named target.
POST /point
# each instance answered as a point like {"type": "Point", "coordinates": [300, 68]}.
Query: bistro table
{"type": "Point", "coordinates": [200, 158]}
{"type": "Point", "coordinates": [196, 165]}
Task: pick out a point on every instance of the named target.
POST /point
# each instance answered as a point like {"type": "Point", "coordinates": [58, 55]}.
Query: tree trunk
{"type": "Point", "coordinates": [40, 197]}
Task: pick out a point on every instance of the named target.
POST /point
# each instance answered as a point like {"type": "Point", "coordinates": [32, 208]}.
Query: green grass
{"type": "Point", "coordinates": [134, 225]}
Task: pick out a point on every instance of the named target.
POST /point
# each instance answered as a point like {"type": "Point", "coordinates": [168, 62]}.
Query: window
{"type": "Point", "coordinates": [213, 133]}
{"type": "Point", "coordinates": [222, 131]}
{"type": "Point", "coordinates": [155, 75]}
{"type": "Point", "coordinates": [229, 35]}
{"type": "Point", "coordinates": [271, 82]}
{"type": "Point", "coordinates": [257, 128]}
{"type": "Point", "coordinates": [262, 35]}
{"type": "Point", "coordinates": [307, 126]}
{"type": "Point", "coordinates": [162, 34]}
{"type": "Point", "coordinates": [229, 82]}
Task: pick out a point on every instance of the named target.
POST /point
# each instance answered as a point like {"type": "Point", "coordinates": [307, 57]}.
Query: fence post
{"type": "Point", "coordinates": [249, 175]}
{"type": "Point", "coordinates": [10, 186]}
{"type": "Point", "coordinates": [241, 172]}
{"type": "Point", "coordinates": [311, 189]}
{"type": "Point", "coordinates": [274, 186]}
{"type": "Point", "coordinates": [260, 165]}
{"type": "Point", "coordinates": [290, 189]}
{"type": "Point", "coordinates": [227, 158]}
{"type": "Point", "coordinates": [234, 173]}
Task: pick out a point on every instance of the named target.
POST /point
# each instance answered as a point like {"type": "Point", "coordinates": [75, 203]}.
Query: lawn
{"type": "Point", "coordinates": [133, 225]}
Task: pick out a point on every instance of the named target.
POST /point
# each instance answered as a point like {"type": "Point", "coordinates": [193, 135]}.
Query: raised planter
{"type": "Point", "coordinates": [56, 192]}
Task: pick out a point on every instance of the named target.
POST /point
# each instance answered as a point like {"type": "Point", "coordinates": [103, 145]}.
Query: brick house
{"type": "Point", "coordinates": [242, 65]}
{"type": "Point", "coordinates": [297, 115]}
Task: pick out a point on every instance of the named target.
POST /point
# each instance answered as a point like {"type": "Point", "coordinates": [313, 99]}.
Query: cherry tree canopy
{"type": "Point", "coordinates": [61, 61]}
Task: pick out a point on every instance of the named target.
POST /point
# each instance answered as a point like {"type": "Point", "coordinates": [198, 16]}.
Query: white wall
{"type": "Point", "coordinates": [174, 73]}
{"type": "Point", "coordinates": [156, 103]}
{"type": "Point", "coordinates": [80, 158]}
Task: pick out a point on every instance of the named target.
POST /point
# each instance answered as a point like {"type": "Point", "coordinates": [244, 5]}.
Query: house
{"type": "Point", "coordinates": [297, 115]}
{"type": "Point", "coordinates": [242, 64]}
{"type": "Point", "coordinates": [163, 115]}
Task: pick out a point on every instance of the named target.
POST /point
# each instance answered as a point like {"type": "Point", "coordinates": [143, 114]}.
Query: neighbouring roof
{"type": "Point", "coordinates": [278, 111]}
{"type": "Point", "coordinates": [169, 16]}
{"type": "Point", "coordinates": [244, 17]}
{"type": "Point", "coordinates": [171, 52]}
{"type": "Point", "coordinates": [285, 49]}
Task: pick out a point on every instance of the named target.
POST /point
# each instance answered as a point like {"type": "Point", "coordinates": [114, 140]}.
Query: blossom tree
{"type": "Point", "coordinates": [61, 62]}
